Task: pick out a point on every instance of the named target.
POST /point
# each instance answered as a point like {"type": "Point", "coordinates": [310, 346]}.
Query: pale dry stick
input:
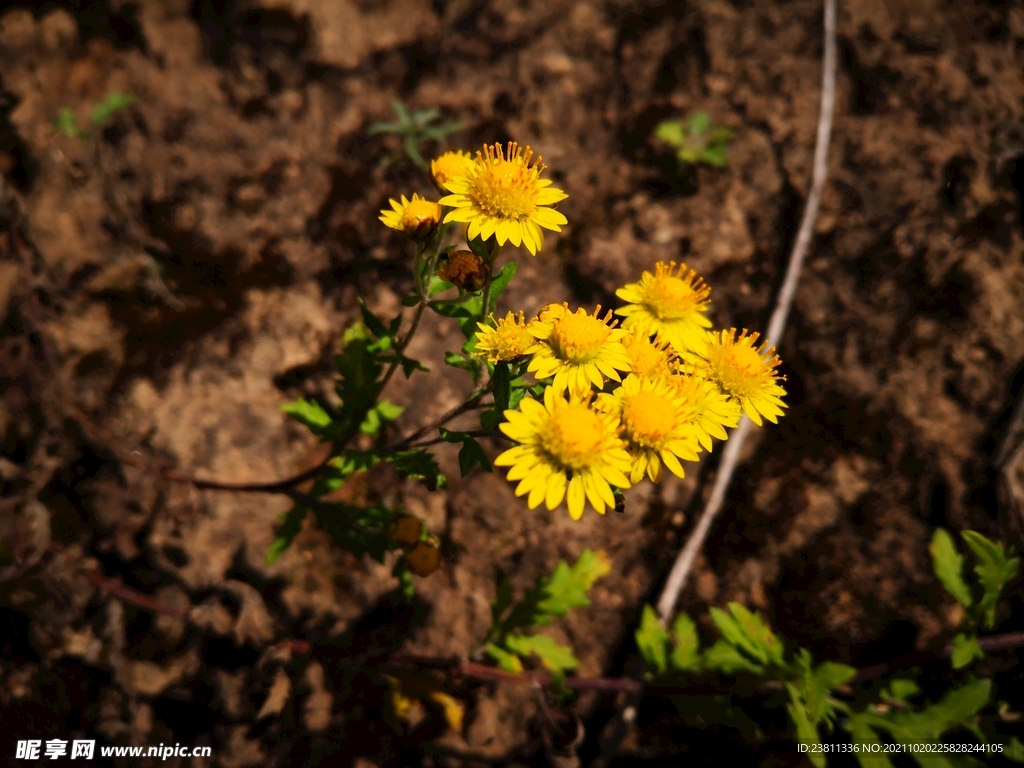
{"type": "Point", "coordinates": [730, 456]}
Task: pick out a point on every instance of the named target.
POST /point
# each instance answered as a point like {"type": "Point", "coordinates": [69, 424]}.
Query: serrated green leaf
{"type": "Point", "coordinates": [746, 631]}
{"type": "Point", "coordinates": [862, 733]}
{"type": "Point", "coordinates": [832, 674]}
{"type": "Point", "coordinates": [994, 569]}
{"type": "Point", "coordinates": [653, 640]}
{"type": "Point", "coordinates": [553, 656]}
{"type": "Point", "coordinates": [948, 565]}
{"type": "Point", "coordinates": [313, 416]}
{"type": "Point", "coordinates": [290, 526]}
{"type": "Point", "coordinates": [966, 649]}
{"type": "Point", "coordinates": [953, 710]}
{"type": "Point", "coordinates": [110, 106]}
{"type": "Point", "coordinates": [805, 731]}
{"type": "Point", "coordinates": [507, 661]}
{"type": "Point", "coordinates": [566, 588]}
{"type": "Point", "coordinates": [726, 658]}
{"type": "Point", "coordinates": [686, 652]}
{"type": "Point", "coordinates": [417, 464]}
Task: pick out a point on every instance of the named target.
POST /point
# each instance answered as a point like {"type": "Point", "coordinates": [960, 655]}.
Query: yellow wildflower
{"type": "Point", "coordinates": [746, 372]}
{"type": "Point", "coordinates": [656, 423]}
{"type": "Point", "coordinates": [566, 449]}
{"type": "Point", "coordinates": [670, 302]}
{"type": "Point", "coordinates": [647, 358]}
{"type": "Point", "coordinates": [577, 349]}
{"type": "Point", "coordinates": [507, 341]}
{"type": "Point", "coordinates": [713, 409]}
{"type": "Point", "coordinates": [503, 195]}
{"type": "Point", "coordinates": [416, 218]}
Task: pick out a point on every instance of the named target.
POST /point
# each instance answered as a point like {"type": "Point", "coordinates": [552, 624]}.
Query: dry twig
{"type": "Point", "coordinates": [730, 457]}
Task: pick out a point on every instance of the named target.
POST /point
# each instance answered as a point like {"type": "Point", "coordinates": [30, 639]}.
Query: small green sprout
{"type": "Point", "coordinates": [67, 123]}
{"type": "Point", "coordinates": [415, 129]}
{"type": "Point", "coordinates": [699, 140]}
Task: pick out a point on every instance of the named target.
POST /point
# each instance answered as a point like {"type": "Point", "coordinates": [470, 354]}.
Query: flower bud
{"type": "Point", "coordinates": [465, 270]}
{"type": "Point", "coordinates": [416, 219]}
{"type": "Point", "coordinates": [405, 530]}
{"type": "Point", "coordinates": [423, 559]}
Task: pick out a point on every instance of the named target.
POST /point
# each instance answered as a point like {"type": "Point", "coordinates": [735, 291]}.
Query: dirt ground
{"type": "Point", "coordinates": [167, 283]}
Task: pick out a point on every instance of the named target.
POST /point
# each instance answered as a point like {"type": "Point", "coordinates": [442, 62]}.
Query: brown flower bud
{"type": "Point", "coordinates": [423, 559]}
{"type": "Point", "coordinates": [405, 530]}
{"type": "Point", "coordinates": [464, 269]}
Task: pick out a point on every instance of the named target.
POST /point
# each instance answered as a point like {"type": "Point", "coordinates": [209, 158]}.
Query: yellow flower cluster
{"type": "Point", "coordinates": [624, 402]}
{"type": "Point", "coordinates": [499, 193]}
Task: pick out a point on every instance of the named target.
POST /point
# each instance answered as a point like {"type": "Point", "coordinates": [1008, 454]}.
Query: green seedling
{"type": "Point", "coordinates": [698, 140]}
{"type": "Point", "coordinates": [66, 121]}
{"type": "Point", "coordinates": [415, 129]}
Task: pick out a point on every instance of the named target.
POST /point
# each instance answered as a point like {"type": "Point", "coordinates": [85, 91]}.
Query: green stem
{"type": "Point", "coordinates": [485, 304]}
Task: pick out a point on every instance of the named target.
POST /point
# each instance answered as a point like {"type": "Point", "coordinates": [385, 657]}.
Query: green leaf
{"type": "Point", "coordinates": [67, 123]}
{"type": "Point", "coordinates": [966, 649]}
{"type": "Point", "coordinates": [900, 690]}
{"type": "Point", "coordinates": [312, 415]}
{"type": "Point", "coordinates": [553, 656]}
{"type": "Point", "coordinates": [290, 527]}
{"type": "Point", "coordinates": [862, 733]}
{"type": "Point", "coordinates": [501, 385]}
{"type": "Point", "coordinates": [831, 674]}
{"type": "Point", "coordinates": [502, 279]}
{"type": "Point", "coordinates": [490, 419]}
{"type": "Point", "coordinates": [110, 106]}
{"type": "Point", "coordinates": [374, 323]}
{"type": "Point", "coordinates": [503, 600]}
{"type": "Point", "coordinates": [566, 588]}
{"type": "Point", "coordinates": [806, 731]}
{"type": "Point", "coordinates": [653, 640]}
{"type": "Point", "coordinates": [472, 452]}
{"type": "Point", "coordinates": [715, 156]}
{"type": "Point", "coordinates": [670, 132]}
{"type": "Point", "coordinates": [1014, 750]}
{"type": "Point", "coordinates": [507, 661]}
{"type": "Point", "coordinates": [436, 286]}
{"type": "Point", "coordinates": [994, 568]}
{"type": "Point", "coordinates": [479, 247]}
{"type": "Point", "coordinates": [417, 464]}
{"type": "Point", "coordinates": [746, 631]}
{"type": "Point", "coordinates": [725, 658]}
{"type": "Point", "coordinates": [954, 710]}
{"type": "Point", "coordinates": [700, 123]}
{"type": "Point", "coordinates": [949, 566]}
{"type": "Point", "coordinates": [686, 653]}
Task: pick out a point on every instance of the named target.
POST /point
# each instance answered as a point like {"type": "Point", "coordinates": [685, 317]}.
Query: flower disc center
{"type": "Point", "coordinates": [647, 417]}
{"type": "Point", "coordinates": [578, 338]}
{"type": "Point", "coordinates": [739, 368]}
{"type": "Point", "coordinates": [504, 189]}
{"type": "Point", "coordinates": [671, 298]}
{"type": "Point", "coordinates": [573, 436]}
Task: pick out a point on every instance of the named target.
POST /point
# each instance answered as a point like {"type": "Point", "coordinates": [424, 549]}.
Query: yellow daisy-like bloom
{"type": "Point", "coordinates": [507, 341]}
{"type": "Point", "coordinates": [450, 166]}
{"type": "Point", "coordinates": [713, 409]}
{"type": "Point", "coordinates": [647, 358]}
{"type": "Point", "coordinates": [503, 195]}
{"type": "Point", "coordinates": [656, 423]}
{"type": "Point", "coordinates": [416, 218]}
{"type": "Point", "coordinates": [670, 302]}
{"type": "Point", "coordinates": [746, 372]}
{"type": "Point", "coordinates": [576, 348]}
{"type": "Point", "coordinates": [566, 449]}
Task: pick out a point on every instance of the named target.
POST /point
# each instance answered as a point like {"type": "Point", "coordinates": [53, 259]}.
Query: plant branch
{"type": "Point", "coordinates": [471, 403]}
{"type": "Point", "coordinates": [730, 458]}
